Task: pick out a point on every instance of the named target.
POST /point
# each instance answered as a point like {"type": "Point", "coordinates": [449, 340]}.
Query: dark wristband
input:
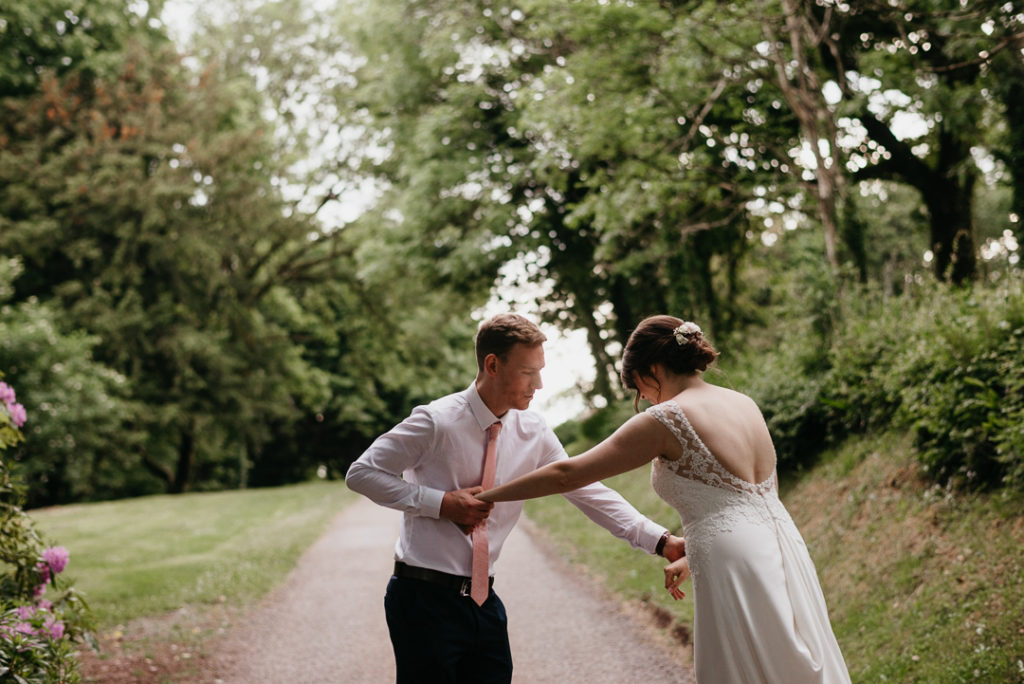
{"type": "Point", "coordinates": [661, 543]}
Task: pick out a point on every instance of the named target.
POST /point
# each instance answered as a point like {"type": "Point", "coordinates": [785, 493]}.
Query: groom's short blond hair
{"type": "Point", "coordinates": [498, 334]}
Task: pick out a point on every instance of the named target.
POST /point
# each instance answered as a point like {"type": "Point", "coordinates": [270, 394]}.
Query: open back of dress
{"type": "Point", "coordinates": [760, 616]}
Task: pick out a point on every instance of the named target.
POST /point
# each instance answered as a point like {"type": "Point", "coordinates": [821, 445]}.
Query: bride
{"type": "Point", "coordinates": [759, 613]}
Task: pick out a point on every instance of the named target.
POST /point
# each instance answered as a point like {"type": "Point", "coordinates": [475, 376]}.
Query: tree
{"type": "Point", "coordinates": [79, 445]}
{"type": "Point", "coordinates": [584, 141]}
{"type": "Point", "coordinates": [81, 38]}
{"type": "Point", "coordinates": [884, 52]}
{"type": "Point", "coordinates": [146, 208]}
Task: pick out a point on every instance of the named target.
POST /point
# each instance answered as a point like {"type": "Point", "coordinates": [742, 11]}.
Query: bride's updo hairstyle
{"type": "Point", "coordinates": [679, 346]}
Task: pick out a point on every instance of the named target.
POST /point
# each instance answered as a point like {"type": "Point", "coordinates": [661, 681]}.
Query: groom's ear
{"type": "Point", "coordinates": [491, 364]}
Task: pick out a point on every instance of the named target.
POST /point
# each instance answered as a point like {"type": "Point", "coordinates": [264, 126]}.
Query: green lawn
{"type": "Point", "coordinates": [146, 556]}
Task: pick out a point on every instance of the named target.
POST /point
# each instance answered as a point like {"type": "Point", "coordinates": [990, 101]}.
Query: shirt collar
{"type": "Point", "coordinates": [483, 415]}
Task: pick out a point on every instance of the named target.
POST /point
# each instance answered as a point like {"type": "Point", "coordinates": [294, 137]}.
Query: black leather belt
{"type": "Point", "coordinates": [456, 582]}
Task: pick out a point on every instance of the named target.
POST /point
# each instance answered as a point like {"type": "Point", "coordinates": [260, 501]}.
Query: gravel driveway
{"type": "Point", "coordinates": [325, 624]}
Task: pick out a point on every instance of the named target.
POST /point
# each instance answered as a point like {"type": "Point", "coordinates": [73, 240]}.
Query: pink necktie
{"type": "Point", "coordinates": [480, 586]}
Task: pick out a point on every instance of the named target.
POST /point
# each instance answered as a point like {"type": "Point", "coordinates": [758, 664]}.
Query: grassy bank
{"type": "Point", "coordinates": [922, 585]}
{"type": "Point", "coordinates": [147, 556]}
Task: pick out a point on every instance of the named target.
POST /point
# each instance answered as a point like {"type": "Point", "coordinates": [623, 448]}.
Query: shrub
{"type": "Point", "coordinates": [796, 418]}
{"type": "Point", "coordinates": [858, 385]}
{"type": "Point", "coordinates": [963, 388]}
{"type": "Point", "coordinates": [39, 621]}
{"type": "Point", "coordinates": [945, 364]}
{"type": "Point", "coordinates": [784, 377]}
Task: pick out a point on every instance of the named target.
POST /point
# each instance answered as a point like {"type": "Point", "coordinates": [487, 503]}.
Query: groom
{"type": "Point", "coordinates": [443, 628]}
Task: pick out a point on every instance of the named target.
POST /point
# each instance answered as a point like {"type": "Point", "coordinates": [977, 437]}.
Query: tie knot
{"type": "Point", "coordinates": [493, 429]}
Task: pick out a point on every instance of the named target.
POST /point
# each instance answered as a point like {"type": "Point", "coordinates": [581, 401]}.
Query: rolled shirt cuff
{"type": "Point", "coordinates": [651, 536]}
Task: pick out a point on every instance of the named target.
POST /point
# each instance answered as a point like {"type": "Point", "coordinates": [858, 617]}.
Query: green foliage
{"type": "Point", "coordinates": [962, 387]}
{"type": "Point", "coordinates": [79, 447]}
{"type": "Point", "coordinates": [174, 216]}
{"type": "Point", "coordinates": [223, 334]}
{"type": "Point", "coordinates": [39, 620]}
{"type": "Point", "coordinates": [580, 434]}
{"type": "Point", "coordinates": [945, 364]}
{"type": "Point", "coordinates": [789, 398]}
{"type": "Point", "coordinates": [572, 137]}
{"type": "Point", "coordinates": [80, 37]}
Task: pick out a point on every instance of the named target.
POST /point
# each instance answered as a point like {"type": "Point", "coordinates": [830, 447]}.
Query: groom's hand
{"type": "Point", "coordinates": [675, 548]}
{"type": "Point", "coordinates": [463, 508]}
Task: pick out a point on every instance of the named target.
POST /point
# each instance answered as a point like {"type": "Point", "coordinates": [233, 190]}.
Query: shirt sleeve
{"type": "Point", "coordinates": [609, 509]}
{"type": "Point", "coordinates": [377, 473]}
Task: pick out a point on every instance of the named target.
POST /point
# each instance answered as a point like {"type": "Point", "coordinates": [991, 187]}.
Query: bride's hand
{"type": "Point", "coordinates": [675, 574]}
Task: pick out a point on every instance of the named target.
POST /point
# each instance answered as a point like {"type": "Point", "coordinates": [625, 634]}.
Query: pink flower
{"type": "Point", "coordinates": [44, 574]}
{"type": "Point", "coordinates": [45, 605]}
{"type": "Point", "coordinates": [7, 395]}
{"type": "Point", "coordinates": [25, 612]}
{"type": "Point", "coordinates": [54, 627]}
{"type": "Point", "coordinates": [24, 628]}
{"type": "Point", "coordinates": [18, 414]}
{"type": "Point", "coordinates": [57, 558]}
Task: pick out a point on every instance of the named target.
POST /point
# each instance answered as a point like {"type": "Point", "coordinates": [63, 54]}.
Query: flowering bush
{"type": "Point", "coordinates": [36, 633]}
{"type": "Point", "coordinates": [15, 410]}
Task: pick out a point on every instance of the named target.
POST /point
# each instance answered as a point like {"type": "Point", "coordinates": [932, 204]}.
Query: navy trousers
{"type": "Point", "coordinates": [442, 637]}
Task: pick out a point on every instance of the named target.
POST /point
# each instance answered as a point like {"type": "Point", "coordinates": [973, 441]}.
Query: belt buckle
{"type": "Point", "coordinates": [465, 588]}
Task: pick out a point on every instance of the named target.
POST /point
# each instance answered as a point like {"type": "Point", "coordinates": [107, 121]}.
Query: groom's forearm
{"type": "Point", "coordinates": [608, 508]}
{"type": "Point", "coordinates": [391, 491]}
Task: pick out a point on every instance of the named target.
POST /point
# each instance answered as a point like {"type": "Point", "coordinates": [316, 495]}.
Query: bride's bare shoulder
{"type": "Point", "coordinates": [731, 395]}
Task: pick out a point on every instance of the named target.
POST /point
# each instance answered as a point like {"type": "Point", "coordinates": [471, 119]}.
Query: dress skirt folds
{"type": "Point", "coordinates": [760, 616]}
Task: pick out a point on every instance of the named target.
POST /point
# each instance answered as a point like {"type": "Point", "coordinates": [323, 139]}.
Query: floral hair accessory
{"type": "Point", "coordinates": [686, 330]}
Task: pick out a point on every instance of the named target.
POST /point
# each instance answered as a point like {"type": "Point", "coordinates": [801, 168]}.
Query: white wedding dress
{"type": "Point", "coordinates": [759, 614]}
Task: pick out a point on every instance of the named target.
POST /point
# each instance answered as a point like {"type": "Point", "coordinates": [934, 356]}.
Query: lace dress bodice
{"type": "Point", "coordinates": [709, 499]}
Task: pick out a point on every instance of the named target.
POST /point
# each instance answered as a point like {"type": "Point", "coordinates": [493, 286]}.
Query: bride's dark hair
{"type": "Point", "coordinates": [655, 341]}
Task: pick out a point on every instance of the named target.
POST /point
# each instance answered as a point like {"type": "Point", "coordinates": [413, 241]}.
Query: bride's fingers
{"type": "Point", "coordinates": [675, 574]}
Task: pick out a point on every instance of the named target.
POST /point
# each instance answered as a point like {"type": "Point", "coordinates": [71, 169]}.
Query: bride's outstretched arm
{"type": "Point", "coordinates": [635, 443]}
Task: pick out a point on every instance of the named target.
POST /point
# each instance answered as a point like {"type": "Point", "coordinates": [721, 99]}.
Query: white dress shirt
{"type": "Point", "coordinates": [440, 448]}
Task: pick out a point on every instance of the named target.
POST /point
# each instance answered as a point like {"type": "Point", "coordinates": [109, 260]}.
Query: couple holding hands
{"type": "Point", "coordinates": [460, 467]}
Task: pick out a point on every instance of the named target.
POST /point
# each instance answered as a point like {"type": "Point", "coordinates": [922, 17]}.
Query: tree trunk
{"type": "Point", "coordinates": [803, 94]}
{"type": "Point", "coordinates": [853, 233]}
{"type": "Point", "coordinates": [162, 472]}
{"type": "Point", "coordinates": [186, 460]}
{"type": "Point", "coordinates": [952, 231]}
{"type": "Point", "coordinates": [705, 253]}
